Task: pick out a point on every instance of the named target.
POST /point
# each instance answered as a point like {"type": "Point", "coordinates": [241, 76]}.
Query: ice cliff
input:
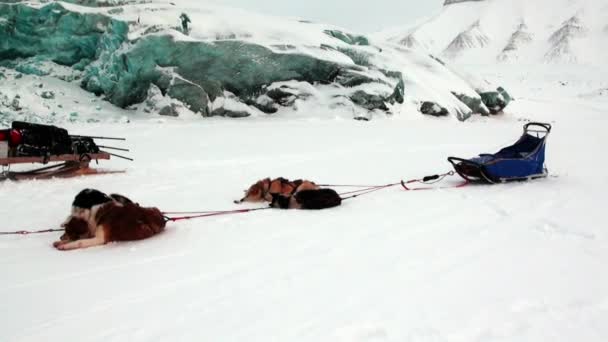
{"type": "Point", "coordinates": [170, 57]}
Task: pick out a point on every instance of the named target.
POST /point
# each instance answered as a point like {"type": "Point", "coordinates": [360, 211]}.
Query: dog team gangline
{"type": "Point", "coordinates": [524, 160]}
{"type": "Point", "coordinates": [171, 216]}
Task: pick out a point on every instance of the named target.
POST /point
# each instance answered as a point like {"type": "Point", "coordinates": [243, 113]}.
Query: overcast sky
{"type": "Point", "coordinates": [358, 15]}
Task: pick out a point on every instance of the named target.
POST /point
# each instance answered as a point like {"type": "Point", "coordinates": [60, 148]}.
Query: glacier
{"type": "Point", "coordinates": [142, 56]}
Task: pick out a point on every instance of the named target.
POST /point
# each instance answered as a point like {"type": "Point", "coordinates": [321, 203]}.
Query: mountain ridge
{"type": "Point", "coordinates": [518, 31]}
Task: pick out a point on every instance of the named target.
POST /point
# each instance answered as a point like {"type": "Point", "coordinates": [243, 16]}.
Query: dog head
{"type": "Point", "coordinates": [88, 198]}
{"type": "Point", "coordinates": [256, 192]}
{"type": "Point", "coordinates": [84, 202]}
{"type": "Point", "coordinates": [75, 229]}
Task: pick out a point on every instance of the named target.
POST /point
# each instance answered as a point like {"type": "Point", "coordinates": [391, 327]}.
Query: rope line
{"type": "Point", "coordinates": [364, 190]}
{"type": "Point", "coordinates": [209, 214]}
{"type": "Point", "coordinates": [29, 232]}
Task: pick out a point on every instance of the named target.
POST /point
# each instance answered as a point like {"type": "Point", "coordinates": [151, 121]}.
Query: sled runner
{"type": "Point", "coordinates": [70, 155]}
{"type": "Point", "coordinates": [523, 160]}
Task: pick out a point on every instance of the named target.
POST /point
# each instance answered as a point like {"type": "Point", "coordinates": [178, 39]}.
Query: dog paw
{"type": "Point", "coordinates": [56, 244]}
{"type": "Point", "coordinates": [62, 247]}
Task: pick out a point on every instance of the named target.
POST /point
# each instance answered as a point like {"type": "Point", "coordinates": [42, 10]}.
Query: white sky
{"type": "Point", "coordinates": [363, 16]}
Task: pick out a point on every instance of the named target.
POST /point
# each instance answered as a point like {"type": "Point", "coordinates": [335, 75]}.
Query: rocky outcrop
{"type": "Point", "coordinates": [518, 39]}
{"type": "Point", "coordinates": [474, 103]}
{"type": "Point", "coordinates": [350, 39]}
{"type": "Point", "coordinates": [471, 38]}
{"type": "Point", "coordinates": [410, 42]}
{"type": "Point", "coordinates": [450, 2]}
{"type": "Point", "coordinates": [561, 40]}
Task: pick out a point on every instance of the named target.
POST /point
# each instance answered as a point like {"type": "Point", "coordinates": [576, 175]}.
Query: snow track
{"type": "Point", "coordinates": [512, 262]}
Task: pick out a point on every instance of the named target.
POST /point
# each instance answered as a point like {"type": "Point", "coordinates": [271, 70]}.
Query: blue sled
{"type": "Point", "coordinates": [523, 160]}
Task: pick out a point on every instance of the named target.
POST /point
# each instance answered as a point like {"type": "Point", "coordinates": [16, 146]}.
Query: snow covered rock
{"type": "Point", "coordinates": [169, 110]}
{"type": "Point", "coordinates": [16, 103]}
{"type": "Point", "coordinates": [368, 101]}
{"type": "Point", "coordinates": [350, 39]}
{"type": "Point", "coordinates": [494, 101]}
{"type": "Point", "coordinates": [449, 2]}
{"type": "Point", "coordinates": [47, 94]}
{"type": "Point", "coordinates": [474, 103]}
{"type": "Point", "coordinates": [431, 108]}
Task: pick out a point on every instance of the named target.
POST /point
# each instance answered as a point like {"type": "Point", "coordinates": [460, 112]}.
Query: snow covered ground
{"type": "Point", "coordinates": [514, 262]}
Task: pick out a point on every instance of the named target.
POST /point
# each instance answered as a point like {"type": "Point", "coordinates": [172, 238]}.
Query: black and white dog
{"type": "Point", "coordinates": [88, 201]}
{"type": "Point", "coordinates": [97, 219]}
{"type": "Point", "coordinates": [307, 199]}
{"type": "Point", "coordinates": [89, 198]}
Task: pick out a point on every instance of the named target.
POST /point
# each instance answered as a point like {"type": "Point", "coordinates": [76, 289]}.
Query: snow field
{"type": "Point", "coordinates": [513, 262]}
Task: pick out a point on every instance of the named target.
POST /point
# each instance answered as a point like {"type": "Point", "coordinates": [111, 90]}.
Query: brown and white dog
{"type": "Point", "coordinates": [263, 189]}
{"type": "Point", "coordinates": [97, 219]}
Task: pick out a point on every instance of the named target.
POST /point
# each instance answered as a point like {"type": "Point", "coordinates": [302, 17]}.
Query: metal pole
{"type": "Point", "coordinates": [117, 155]}
{"type": "Point", "coordinates": [103, 138]}
{"type": "Point", "coordinates": [114, 148]}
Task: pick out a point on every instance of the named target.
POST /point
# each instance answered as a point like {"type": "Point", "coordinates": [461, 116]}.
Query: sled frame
{"type": "Point", "coordinates": [70, 165]}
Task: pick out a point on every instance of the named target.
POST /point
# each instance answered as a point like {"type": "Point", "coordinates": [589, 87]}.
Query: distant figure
{"type": "Point", "coordinates": [185, 21]}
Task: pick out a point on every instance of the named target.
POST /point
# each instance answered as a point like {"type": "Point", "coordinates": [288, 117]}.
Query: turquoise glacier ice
{"type": "Point", "coordinates": [190, 71]}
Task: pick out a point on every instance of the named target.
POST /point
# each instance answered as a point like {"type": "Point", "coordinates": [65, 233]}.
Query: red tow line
{"type": "Point", "coordinates": [28, 232]}
{"type": "Point", "coordinates": [201, 214]}
{"type": "Point", "coordinates": [365, 189]}
{"type": "Point", "coordinates": [428, 180]}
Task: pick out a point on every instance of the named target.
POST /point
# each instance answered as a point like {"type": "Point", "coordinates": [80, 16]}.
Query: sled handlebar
{"type": "Point", "coordinates": [545, 126]}
{"type": "Point", "coordinates": [482, 174]}
{"type": "Point", "coordinates": [455, 161]}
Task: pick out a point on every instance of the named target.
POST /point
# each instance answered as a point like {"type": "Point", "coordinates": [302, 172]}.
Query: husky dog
{"type": "Point", "coordinates": [97, 219]}
{"type": "Point", "coordinates": [307, 199]}
{"type": "Point", "coordinates": [263, 189]}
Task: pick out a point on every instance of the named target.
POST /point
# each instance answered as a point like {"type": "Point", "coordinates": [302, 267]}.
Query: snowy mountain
{"type": "Point", "coordinates": [472, 38]}
{"type": "Point", "coordinates": [520, 38]}
{"type": "Point", "coordinates": [515, 31]}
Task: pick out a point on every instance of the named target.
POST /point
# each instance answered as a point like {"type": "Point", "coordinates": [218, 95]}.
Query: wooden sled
{"type": "Point", "coordinates": [70, 165]}
{"type": "Point", "coordinates": [70, 155]}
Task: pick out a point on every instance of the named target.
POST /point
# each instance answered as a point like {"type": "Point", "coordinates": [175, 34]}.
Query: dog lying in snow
{"type": "Point", "coordinates": [97, 219]}
{"type": "Point", "coordinates": [263, 189]}
{"type": "Point", "coordinates": [307, 199]}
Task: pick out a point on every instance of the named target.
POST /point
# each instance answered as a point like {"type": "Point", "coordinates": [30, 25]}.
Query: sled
{"type": "Point", "coordinates": [62, 154]}
{"type": "Point", "coordinates": [524, 160]}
